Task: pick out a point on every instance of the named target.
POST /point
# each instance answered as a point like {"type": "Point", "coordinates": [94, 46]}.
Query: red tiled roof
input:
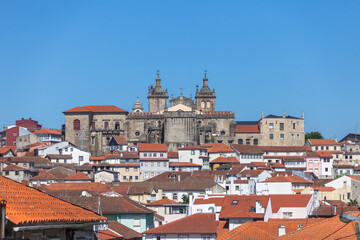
{"type": "Point", "coordinates": [243, 207]}
{"type": "Point", "coordinates": [152, 147]}
{"type": "Point", "coordinates": [4, 150]}
{"type": "Point", "coordinates": [78, 176]}
{"type": "Point", "coordinates": [289, 200]}
{"type": "Point", "coordinates": [353, 177]}
{"type": "Point", "coordinates": [331, 228]}
{"type": "Point", "coordinates": [108, 234]}
{"type": "Point", "coordinates": [252, 149]}
{"type": "Point", "coordinates": [311, 154]}
{"type": "Point", "coordinates": [292, 158]}
{"type": "Point", "coordinates": [236, 169]}
{"type": "Point", "coordinates": [89, 186]}
{"type": "Point", "coordinates": [101, 158]}
{"type": "Point", "coordinates": [164, 201]}
{"type": "Point", "coordinates": [192, 147]}
{"type": "Point", "coordinates": [218, 201]}
{"type": "Point", "coordinates": [247, 129]}
{"type": "Point", "coordinates": [292, 179]}
{"type": "Point", "coordinates": [325, 154]}
{"type": "Point", "coordinates": [225, 160]}
{"type": "Point", "coordinates": [28, 205]}
{"type": "Point", "coordinates": [276, 165]}
{"type": "Point", "coordinates": [251, 173]}
{"type": "Point", "coordinates": [121, 140]}
{"type": "Point", "coordinates": [173, 154]}
{"type": "Point", "coordinates": [285, 148]}
{"type": "Point", "coordinates": [197, 223]}
{"type": "Point", "coordinates": [323, 142]}
{"type": "Point", "coordinates": [183, 164]}
{"type": "Point", "coordinates": [96, 108]}
{"type": "Point", "coordinates": [12, 167]}
{"type": "Point", "coordinates": [220, 148]}
{"type": "Point", "coordinates": [343, 166]}
{"type": "Point", "coordinates": [47, 131]}
{"type": "Point", "coordinates": [323, 189]}
{"type": "Point", "coordinates": [125, 232]}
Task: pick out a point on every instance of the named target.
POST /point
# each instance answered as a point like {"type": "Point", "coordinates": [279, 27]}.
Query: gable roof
{"type": "Point", "coordinates": [219, 148]}
{"type": "Point", "coordinates": [285, 148]}
{"type": "Point", "coordinates": [96, 109]}
{"type": "Point", "coordinates": [225, 160]}
{"type": "Point", "coordinates": [288, 178]}
{"type": "Point", "coordinates": [12, 167]}
{"type": "Point", "coordinates": [56, 173]}
{"type": "Point", "coordinates": [164, 201]}
{"type": "Point", "coordinates": [193, 148]}
{"type": "Point", "coordinates": [28, 205]}
{"type": "Point", "coordinates": [323, 142]}
{"type": "Point", "coordinates": [48, 131]}
{"type": "Point", "coordinates": [152, 147]}
{"type": "Point", "coordinates": [121, 140]}
{"type": "Point", "coordinates": [217, 200]}
{"type": "Point", "coordinates": [4, 150]}
{"type": "Point", "coordinates": [325, 154]}
{"type": "Point", "coordinates": [196, 223]}
{"type": "Point", "coordinates": [125, 232]}
{"type": "Point", "coordinates": [78, 176]}
{"type": "Point", "coordinates": [183, 164]}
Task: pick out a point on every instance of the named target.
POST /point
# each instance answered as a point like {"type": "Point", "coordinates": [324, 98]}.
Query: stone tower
{"type": "Point", "coordinates": [205, 98]}
{"type": "Point", "coordinates": [158, 98]}
{"type": "Point", "coordinates": [138, 106]}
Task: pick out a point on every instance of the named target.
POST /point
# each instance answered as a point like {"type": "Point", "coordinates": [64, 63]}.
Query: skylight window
{"type": "Point", "coordinates": [252, 209]}
{"type": "Point", "coordinates": [234, 202]}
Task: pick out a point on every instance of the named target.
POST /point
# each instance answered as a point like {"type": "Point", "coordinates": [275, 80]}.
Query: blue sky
{"type": "Point", "coordinates": [260, 55]}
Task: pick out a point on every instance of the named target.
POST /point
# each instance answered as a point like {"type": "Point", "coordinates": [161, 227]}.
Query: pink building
{"type": "Point", "coordinates": [313, 163]}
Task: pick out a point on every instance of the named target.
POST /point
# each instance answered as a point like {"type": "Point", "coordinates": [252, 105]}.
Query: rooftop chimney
{"type": "Point", "coordinates": [2, 218]}
{"type": "Point", "coordinates": [282, 230]}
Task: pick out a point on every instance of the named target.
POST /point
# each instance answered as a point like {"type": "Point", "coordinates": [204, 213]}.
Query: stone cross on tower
{"type": "Point", "coordinates": [181, 89]}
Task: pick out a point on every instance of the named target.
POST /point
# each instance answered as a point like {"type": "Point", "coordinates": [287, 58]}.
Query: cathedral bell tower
{"type": "Point", "coordinates": [205, 98]}
{"type": "Point", "coordinates": [158, 98]}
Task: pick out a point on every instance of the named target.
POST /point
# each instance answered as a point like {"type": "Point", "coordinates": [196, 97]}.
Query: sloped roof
{"type": "Point", "coordinates": [285, 148]}
{"type": "Point", "coordinates": [173, 154]}
{"type": "Point", "coordinates": [78, 176]}
{"type": "Point", "coordinates": [164, 201]}
{"type": "Point", "coordinates": [218, 201]}
{"type": "Point", "coordinates": [323, 142]}
{"type": "Point", "coordinates": [289, 200]}
{"type": "Point", "coordinates": [220, 148]}
{"type": "Point", "coordinates": [247, 129]}
{"type": "Point", "coordinates": [58, 156]}
{"type": "Point", "coordinates": [152, 147]}
{"type": "Point", "coordinates": [225, 160]}
{"type": "Point", "coordinates": [56, 173]}
{"type": "Point", "coordinates": [236, 169]}
{"type": "Point", "coordinates": [4, 150]}
{"type": "Point", "coordinates": [121, 140]}
{"type": "Point", "coordinates": [325, 154]}
{"type": "Point", "coordinates": [243, 207]}
{"type": "Point", "coordinates": [251, 173]}
{"type": "Point", "coordinates": [311, 154]}
{"type": "Point", "coordinates": [331, 228]}
{"type": "Point", "coordinates": [292, 179]}
{"type": "Point", "coordinates": [197, 223]}
{"type": "Point", "coordinates": [29, 159]}
{"type": "Point", "coordinates": [28, 205]}
{"type": "Point", "coordinates": [108, 234]}
{"type": "Point", "coordinates": [12, 167]}
{"type": "Point", "coordinates": [193, 148]}
{"type": "Point", "coordinates": [125, 232]}
{"type": "Point", "coordinates": [47, 131]}
{"type": "Point", "coordinates": [183, 164]}
{"type": "Point", "coordinates": [329, 210]}
{"type": "Point", "coordinates": [251, 149]}
{"type": "Point", "coordinates": [96, 109]}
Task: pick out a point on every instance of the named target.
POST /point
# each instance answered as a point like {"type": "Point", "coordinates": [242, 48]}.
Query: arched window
{"type": "Point", "coordinates": [202, 104]}
{"type": "Point", "coordinates": [256, 141]}
{"type": "Point", "coordinates": [76, 124]}
{"type": "Point", "coordinates": [208, 105]}
{"type": "Point", "coordinates": [240, 141]}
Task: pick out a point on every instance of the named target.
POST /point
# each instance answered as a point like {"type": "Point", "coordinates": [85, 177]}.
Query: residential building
{"type": "Point", "coordinates": [326, 159]}
{"type": "Point", "coordinates": [216, 150]}
{"type": "Point", "coordinates": [194, 154]}
{"type": "Point", "coordinates": [184, 167]}
{"type": "Point", "coordinates": [153, 160]}
{"type": "Point", "coordinates": [248, 153]}
{"type": "Point", "coordinates": [313, 163]}
{"type": "Point", "coordinates": [118, 142]}
{"type": "Point", "coordinates": [169, 209]}
{"type": "Point", "coordinates": [16, 173]}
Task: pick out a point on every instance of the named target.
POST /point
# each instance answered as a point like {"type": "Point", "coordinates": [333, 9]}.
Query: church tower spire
{"type": "Point", "coordinates": [158, 98]}
{"type": "Point", "coordinates": [138, 106]}
{"type": "Point", "coordinates": [205, 98]}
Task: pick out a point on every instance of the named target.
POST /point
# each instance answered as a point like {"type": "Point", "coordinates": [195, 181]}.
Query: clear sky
{"type": "Point", "coordinates": [260, 55]}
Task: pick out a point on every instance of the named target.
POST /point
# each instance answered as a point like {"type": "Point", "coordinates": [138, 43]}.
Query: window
{"type": "Point", "coordinates": [124, 177]}
{"type": "Point", "coordinates": [6, 173]}
{"type": "Point", "coordinates": [297, 136]}
{"type": "Point", "coordinates": [292, 136]}
{"type": "Point", "coordinates": [348, 195]}
{"type": "Point", "coordinates": [234, 202]}
{"type": "Point", "coordinates": [287, 215]}
{"type": "Point", "coordinates": [131, 177]}
{"type": "Point", "coordinates": [14, 134]}
{"type": "Point", "coordinates": [137, 133]}
{"type": "Point", "coordinates": [117, 126]}
{"type": "Point", "coordinates": [240, 141]}
{"type": "Point", "coordinates": [222, 133]}
{"type": "Point", "coordinates": [106, 125]}
{"type": "Point", "coordinates": [93, 125]}
{"type": "Point", "coordinates": [135, 169]}
{"type": "Point", "coordinates": [248, 141]}
{"type": "Point", "coordinates": [158, 164]}
{"type": "Point", "coordinates": [316, 148]}
{"type": "Point", "coordinates": [136, 177]}
{"type": "Point", "coordinates": [282, 136]}
{"type": "Point", "coordinates": [81, 158]}
{"type": "Point", "coordinates": [165, 164]}
{"type": "Point", "coordinates": [76, 124]}
{"type": "Point", "coordinates": [327, 147]}
{"type": "Point", "coordinates": [161, 155]}
{"type": "Point", "coordinates": [271, 136]}
{"type": "Point", "coordinates": [281, 126]}
{"type": "Point", "coordinates": [175, 197]}
{"type": "Point", "coordinates": [93, 140]}
{"type": "Point", "coordinates": [136, 224]}
{"type": "Point", "coordinates": [256, 141]}
{"type": "Point", "coordinates": [152, 164]}
{"type": "Point", "coordinates": [191, 160]}
{"type": "Point", "coordinates": [326, 169]}
{"type": "Point", "coordinates": [126, 169]}
{"type": "Point", "coordinates": [16, 172]}
{"type": "Point", "coordinates": [271, 126]}
{"type": "Point", "coordinates": [294, 125]}
{"type": "Point", "coordinates": [192, 152]}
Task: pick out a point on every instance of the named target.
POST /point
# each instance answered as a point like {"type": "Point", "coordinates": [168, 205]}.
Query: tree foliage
{"type": "Point", "coordinates": [185, 199]}
{"type": "Point", "coordinates": [352, 202]}
{"type": "Point", "coordinates": [313, 135]}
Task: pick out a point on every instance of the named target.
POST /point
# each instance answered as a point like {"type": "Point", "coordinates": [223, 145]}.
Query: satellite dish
{"type": "Point", "coordinates": [83, 194]}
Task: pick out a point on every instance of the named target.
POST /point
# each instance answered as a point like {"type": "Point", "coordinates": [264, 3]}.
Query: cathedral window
{"type": "Point", "coordinates": [117, 126]}
{"type": "Point", "coordinates": [202, 104]}
{"type": "Point", "coordinates": [106, 125]}
{"type": "Point", "coordinates": [256, 141]}
{"type": "Point", "coordinates": [281, 126]}
{"type": "Point", "coordinates": [208, 105]}
{"type": "Point", "coordinates": [137, 133]}
{"type": "Point", "coordinates": [240, 141]}
{"type": "Point", "coordinates": [93, 125]}
{"type": "Point", "coordinates": [76, 124]}
{"type": "Point", "coordinates": [222, 132]}
{"type": "Point", "coordinates": [271, 136]}
{"type": "Point", "coordinates": [282, 136]}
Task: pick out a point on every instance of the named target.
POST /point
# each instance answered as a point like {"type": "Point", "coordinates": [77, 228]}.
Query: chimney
{"type": "Point", "coordinates": [282, 230]}
{"type": "Point", "coordinates": [284, 113]}
{"type": "Point", "coordinates": [179, 177]}
{"type": "Point", "coordinates": [334, 209]}
{"type": "Point", "coordinates": [2, 218]}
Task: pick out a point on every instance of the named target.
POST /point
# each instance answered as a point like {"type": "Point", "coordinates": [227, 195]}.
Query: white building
{"type": "Point", "coordinates": [194, 154]}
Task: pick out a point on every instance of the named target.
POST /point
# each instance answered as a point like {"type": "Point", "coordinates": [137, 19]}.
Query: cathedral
{"type": "Point", "coordinates": [183, 122]}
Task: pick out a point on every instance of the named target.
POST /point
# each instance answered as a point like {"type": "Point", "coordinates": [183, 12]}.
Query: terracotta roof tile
{"type": "Point", "coordinates": [251, 149]}
{"type": "Point", "coordinates": [78, 176]}
{"type": "Point", "coordinates": [323, 142]}
{"type": "Point", "coordinates": [292, 179]}
{"type": "Point", "coordinates": [12, 167]}
{"type": "Point", "coordinates": [219, 148]}
{"type": "Point", "coordinates": [173, 154]}
{"type": "Point", "coordinates": [183, 164]}
{"type": "Point", "coordinates": [152, 147]}
{"type": "Point", "coordinates": [121, 140]}
{"type": "Point", "coordinates": [192, 147]}
{"type": "Point", "coordinates": [225, 160]}
{"type": "Point", "coordinates": [285, 148]}
{"type": "Point", "coordinates": [101, 158]}
{"type": "Point", "coordinates": [289, 200]}
{"type": "Point", "coordinates": [28, 205]}
{"type": "Point", "coordinates": [323, 189]}
{"type": "Point", "coordinates": [236, 169]}
{"type": "Point", "coordinates": [251, 173]}
{"type": "Point", "coordinates": [218, 200]}
{"type": "Point", "coordinates": [197, 223]}
{"type": "Point", "coordinates": [247, 129]}
{"type": "Point", "coordinates": [4, 150]}
{"type": "Point", "coordinates": [96, 109]}
{"type": "Point", "coordinates": [47, 131]}
{"type": "Point", "coordinates": [164, 201]}
{"type": "Point", "coordinates": [125, 232]}
{"type": "Point", "coordinates": [325, 154]}
{"type": "Point", "coordinates": [154, 159]}
{"type": "Point", "coordinates": [58, 156]}
{"type": "Point", "coordinates": [108, 234]}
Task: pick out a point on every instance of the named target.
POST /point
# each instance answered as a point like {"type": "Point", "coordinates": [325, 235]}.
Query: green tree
{"type": "Point", "coordinates": [352, 202]}
{"type": "Point", "coordinates": [313, 135]}
{"type": "Point", "coordinates": [185, 199]}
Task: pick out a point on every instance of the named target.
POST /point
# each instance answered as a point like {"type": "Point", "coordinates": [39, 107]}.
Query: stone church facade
{"type": "Point", "coordinates": [183, 123]}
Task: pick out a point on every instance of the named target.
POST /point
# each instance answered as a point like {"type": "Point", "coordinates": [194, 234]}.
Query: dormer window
{"type": "Point", "coordinates": [252, 209]}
